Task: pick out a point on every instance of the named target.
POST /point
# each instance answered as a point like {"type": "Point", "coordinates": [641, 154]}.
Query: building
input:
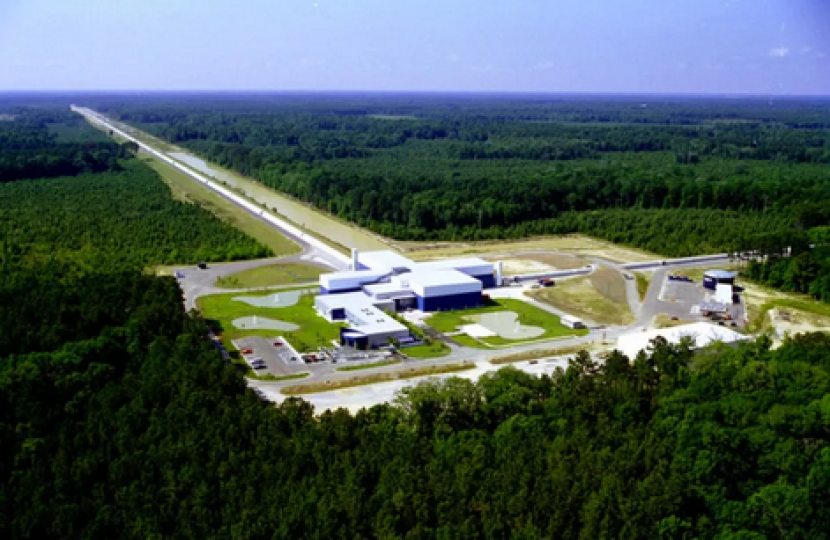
{"type": "Point", "coordinates": [383, 281]}
{"type": "Point", "coordinates": [713, 278]}
{"type": "Point", "coordinates": [390, 276]}
{"type": "Point", "coordinates": [369, 327]}
{"type": "Point", "coordinates": [702, 333]}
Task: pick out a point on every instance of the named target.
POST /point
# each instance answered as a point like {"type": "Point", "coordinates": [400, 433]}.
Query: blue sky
{"type": "Point", "coordinates": [762, 47]}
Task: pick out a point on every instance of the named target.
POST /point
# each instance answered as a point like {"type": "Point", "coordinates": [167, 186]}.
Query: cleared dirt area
{"type": "Point", "coordinates": [599, 298]}
{"type": "Point", "coordinates": [572, 245]}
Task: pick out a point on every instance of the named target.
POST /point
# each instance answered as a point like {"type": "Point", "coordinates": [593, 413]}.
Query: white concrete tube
{"type": "Point", "coordinates": [355, 264]}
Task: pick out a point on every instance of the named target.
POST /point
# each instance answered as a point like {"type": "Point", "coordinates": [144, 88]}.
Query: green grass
{"type": "Point", "coordinates": [467, 341]}
{"type": "Point", "coordinates": [186, 189]}
{"type": "Point", "coordinates": [438, 349]}
{"type": "Point", "coordinates": [449, 321]}
{"type": "Point", "coordinates": [220, 310]}
{"type": "Point", "coordinates": [373, 365]}
{"type": "Point", "coordinates": [270, 377]}
{"type": "Point", "coordinates": [642, 284]}
{"type": "Point", "coordinates": [271, 275]}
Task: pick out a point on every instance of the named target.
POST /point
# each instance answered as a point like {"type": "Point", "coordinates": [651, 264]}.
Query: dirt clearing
{"type": "Point", "coordinates": [571, 246]}
{"type": "Point", "coordinates": [599, 298]}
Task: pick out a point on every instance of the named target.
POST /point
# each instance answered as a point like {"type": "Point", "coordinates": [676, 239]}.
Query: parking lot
{"type": "Point", "coordinates": [279, 359]}
{"type": "Point", "coordinates": [678, 298]}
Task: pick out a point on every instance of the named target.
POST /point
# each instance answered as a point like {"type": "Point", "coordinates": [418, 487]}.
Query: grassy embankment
{"type": "Point", "coordinates": [271, 276]}
{"type": "Point", "coordinates": [528, 315]}
{"type": "Point", "coordinates": [539, 354]}
{"type": "Point", "coordinates": [374, 378]}
{"type": "Point", "coordinates": [600, 297]}
{"type": "Point", "coordinates": [220, 310]}
{"type": "Point", "coordinates": [373, 365]}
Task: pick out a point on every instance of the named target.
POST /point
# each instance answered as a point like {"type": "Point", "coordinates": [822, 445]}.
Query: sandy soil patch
{"type": "Point", "coordinates": [793, 321]}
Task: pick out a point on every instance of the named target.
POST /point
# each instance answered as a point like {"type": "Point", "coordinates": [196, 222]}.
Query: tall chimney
{"type": "Point", "coordinates": [355, 264]}
{"type": "Point", "coordinates": [499, 277]}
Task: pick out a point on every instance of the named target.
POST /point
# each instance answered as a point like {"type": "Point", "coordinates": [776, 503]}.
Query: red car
{"type": "Point", "coordinates": [278, 344]}
{"type": "Point", "coordinates": [247, 351]}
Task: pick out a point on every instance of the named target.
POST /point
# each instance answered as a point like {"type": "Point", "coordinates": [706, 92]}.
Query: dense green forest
{"type": "Point", "coordinates": [118, 418]}
{"type": "Point", "coordinates": [143, 432]}
{"type": "Point", "coordinates": [467, 167]}
{"type": "Point", "coordinates": [108, 216]}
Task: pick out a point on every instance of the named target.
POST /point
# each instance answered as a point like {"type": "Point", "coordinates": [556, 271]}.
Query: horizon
{"type": "Point", "coordinates": [714, 47]}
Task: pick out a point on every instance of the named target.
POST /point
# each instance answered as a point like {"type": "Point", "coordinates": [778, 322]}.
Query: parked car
{"type": "Point", "coordinates": [259, 366]}
{"type": "Point", "coordinates": [247, 351]}
{"type": "Point", "coordinates": [278, 344]}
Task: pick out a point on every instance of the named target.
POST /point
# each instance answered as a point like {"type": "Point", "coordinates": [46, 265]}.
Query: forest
{"type": "Point", "coordinates": [118, 418]}
{"type": "Point", "coordinates": [116, 215]}
{"type": "Point", "coordinates": [478, 167]}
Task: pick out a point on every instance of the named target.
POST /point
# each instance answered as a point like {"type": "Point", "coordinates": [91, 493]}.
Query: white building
{"type": "Point", "coordinates": [702, 333]}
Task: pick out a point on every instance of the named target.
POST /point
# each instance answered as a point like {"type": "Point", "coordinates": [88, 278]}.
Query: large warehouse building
{"type": "Point", "coordinates": [386, 281]}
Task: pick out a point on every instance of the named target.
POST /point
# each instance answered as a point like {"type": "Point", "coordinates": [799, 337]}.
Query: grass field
{"type": "Point", "coordinates": [467, 341]}
{"type": "Point", "coordinates": [374, 378]}
{"type": "Point", "coordinates": [449, 321]}
{"type": "Point", "coordinates": [439, 349]}
{"type": "Point", "coordinates": [186, 189]}
{"type": "Point", "coordinates": [576, 245]}
{"type": "Point", "coordinates": [271, 275]}
{"type": "Point", "coordinates": [599, 298]}
{"type": "Point", "coordinates": [219, 310]}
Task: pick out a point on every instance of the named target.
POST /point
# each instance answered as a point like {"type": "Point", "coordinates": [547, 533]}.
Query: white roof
{"type": "Point", "coordinates": [388, 289]}
{"type": "Point", "coordinates": [383, 260]}
{"type": "Point", "coordinates": [362, 315]}
{"type": "Point", "coordinates": [455, 264]}
{"type": "Point", "coordinates": [350, 277]}
{"type": "Point", "coordinates": [720, 274]}
{"type": "Point", "coordinates": [570, 318]}
{"type": "Point", "coordinates": [702, 333]}
{"type": "Point", "coordinates": [439, 277]}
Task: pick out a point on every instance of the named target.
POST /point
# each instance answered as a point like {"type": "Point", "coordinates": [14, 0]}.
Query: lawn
{"type": "Point", "coordinates": [438, 349]}
{"type": "Point", "coordinates": [220, 310]}
{"type": "Point", "coordinates": [449, 321]}
{"type": "Point", "coordinates": [271, 275]}
{"type": "Point", "coordinates": [184, 188]}
{"type": "Point", "coordinates": [599, 298]}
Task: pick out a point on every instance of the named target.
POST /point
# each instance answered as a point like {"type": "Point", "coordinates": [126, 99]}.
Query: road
{"type": "Point", "coordinates": [313, 248]}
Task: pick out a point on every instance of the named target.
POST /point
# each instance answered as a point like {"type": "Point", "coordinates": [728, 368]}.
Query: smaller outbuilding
{"type": "Point", "coordinates": [713, 278]}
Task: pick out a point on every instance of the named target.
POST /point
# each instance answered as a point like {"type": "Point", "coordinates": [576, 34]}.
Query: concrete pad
{"type": "Point", "coordinates": [272, 300]}
{"type": "Point", "coordinates": [476, 331]}
{"type": "Point", "coordinates": [506, 324]}
{"type": "Point", "coordinates": [263, 323]}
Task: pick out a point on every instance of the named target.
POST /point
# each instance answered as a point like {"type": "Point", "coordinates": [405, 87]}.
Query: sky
{"type": "Point", "coordinates": [758, 47]}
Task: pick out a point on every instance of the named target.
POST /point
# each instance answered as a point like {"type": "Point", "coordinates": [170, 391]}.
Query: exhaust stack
{"type": "Point", "coordinates": [499, 276]}
{"type": "Point", "coordinates": [355, 264]}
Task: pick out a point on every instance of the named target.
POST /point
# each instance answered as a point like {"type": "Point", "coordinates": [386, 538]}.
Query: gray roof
{"type": "Point", "coordinates": [720, 274]}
